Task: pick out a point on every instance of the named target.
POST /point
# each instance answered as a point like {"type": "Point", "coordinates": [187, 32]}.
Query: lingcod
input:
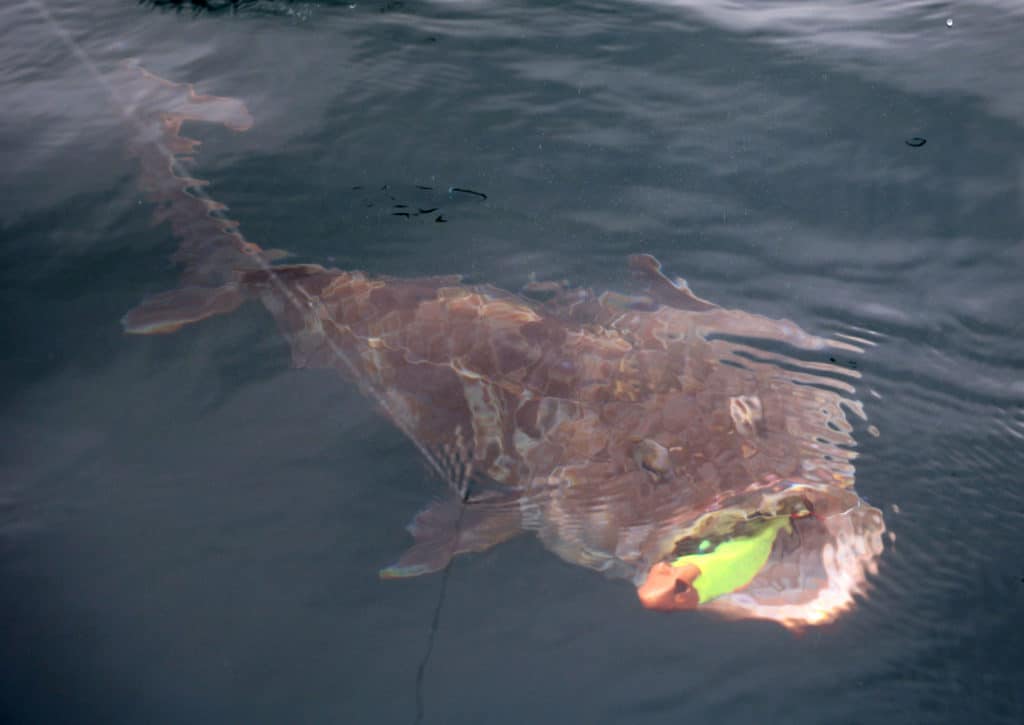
{"type": "Point", "coordinates": [703, 454]}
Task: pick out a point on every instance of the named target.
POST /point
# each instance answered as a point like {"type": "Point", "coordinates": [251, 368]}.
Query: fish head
{"type": "Point", "coordinates": [797, 553]}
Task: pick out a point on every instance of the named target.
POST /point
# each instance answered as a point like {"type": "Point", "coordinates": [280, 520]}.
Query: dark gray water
{"type": "Point", "coordinates": [191, 530]}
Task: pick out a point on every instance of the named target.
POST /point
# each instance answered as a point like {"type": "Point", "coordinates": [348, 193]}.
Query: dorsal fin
{"type": "Point", "coordinates": [211, 247]}
{"type": "Point", "coordinates": [671, 293]}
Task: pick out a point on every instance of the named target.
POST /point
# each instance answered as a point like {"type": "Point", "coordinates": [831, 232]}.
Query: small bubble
{"type": "Point", "coordinates": [949, 22]}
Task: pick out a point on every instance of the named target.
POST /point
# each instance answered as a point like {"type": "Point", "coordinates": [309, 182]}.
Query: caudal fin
{"type": "Point", "coordinates": [169, 311]}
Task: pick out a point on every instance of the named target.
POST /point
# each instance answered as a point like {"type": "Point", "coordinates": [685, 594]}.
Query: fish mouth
{"type": "Point", "coordinates": [802, 564]}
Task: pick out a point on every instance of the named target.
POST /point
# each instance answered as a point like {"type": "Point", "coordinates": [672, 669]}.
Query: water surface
{"type": "Point", "coordinates": [191, 530]}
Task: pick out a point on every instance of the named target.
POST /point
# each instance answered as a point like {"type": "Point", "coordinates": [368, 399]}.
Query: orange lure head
{"type": "Point", "coordinates": [667, 588]}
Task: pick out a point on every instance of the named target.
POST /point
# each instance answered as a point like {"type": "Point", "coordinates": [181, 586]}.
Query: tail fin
{"type": "Point", "coordinates": [170, 311]}
{"type": "Point", "coordinates": [211, 251]}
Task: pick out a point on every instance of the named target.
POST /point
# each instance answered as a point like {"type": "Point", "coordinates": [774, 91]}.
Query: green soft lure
{"type": "Point", "coordinates": [734, 563]}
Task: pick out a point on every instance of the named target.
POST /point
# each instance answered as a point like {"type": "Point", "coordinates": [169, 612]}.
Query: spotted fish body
{"type": "Point", "coordinates": [617, 427]}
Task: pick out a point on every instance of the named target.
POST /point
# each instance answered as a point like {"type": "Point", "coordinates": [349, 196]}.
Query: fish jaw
{"type": "Point", "coordinates": [817, 569]}
{"type": "Point", "coordinates": [843, 563]}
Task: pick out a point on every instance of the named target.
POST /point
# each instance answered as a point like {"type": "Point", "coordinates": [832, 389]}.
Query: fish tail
{"type": "Point", "coordinates": [212, 253]}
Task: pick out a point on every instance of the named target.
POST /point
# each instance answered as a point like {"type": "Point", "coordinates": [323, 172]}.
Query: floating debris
{"type": "Point", "coordinates": [458, 190]}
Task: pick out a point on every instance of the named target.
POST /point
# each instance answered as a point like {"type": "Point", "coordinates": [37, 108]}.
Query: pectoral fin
{"type": "Point", "coordinates": [451, 527]}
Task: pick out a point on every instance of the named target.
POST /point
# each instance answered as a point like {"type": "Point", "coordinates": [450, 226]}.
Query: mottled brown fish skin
{"type": "Point", "coordinates": [605, 428]}
{"type": "Point", "coordinates": [611, 425]}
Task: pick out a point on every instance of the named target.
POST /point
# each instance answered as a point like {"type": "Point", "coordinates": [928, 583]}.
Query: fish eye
{"type": "Point", "coordinates": [802, 510]}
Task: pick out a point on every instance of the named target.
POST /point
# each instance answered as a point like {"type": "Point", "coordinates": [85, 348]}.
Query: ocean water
{"type": "Point", "coordinates": [191, 529]}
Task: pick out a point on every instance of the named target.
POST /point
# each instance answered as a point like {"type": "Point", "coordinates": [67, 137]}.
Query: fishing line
{"type": "Point", "coordinates": [436, 619]}
{"type": "Point", "coordinates": [198, 192]}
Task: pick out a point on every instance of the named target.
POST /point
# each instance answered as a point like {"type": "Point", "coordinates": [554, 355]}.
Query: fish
{"type": "Point", "coordinates": [705, 455]}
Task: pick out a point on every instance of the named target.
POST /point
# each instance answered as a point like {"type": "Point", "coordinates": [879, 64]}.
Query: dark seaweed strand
{"type": "Point", "coordinates": [436, 619]}
{"type": "Point", "coordinates": [460, 190]}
